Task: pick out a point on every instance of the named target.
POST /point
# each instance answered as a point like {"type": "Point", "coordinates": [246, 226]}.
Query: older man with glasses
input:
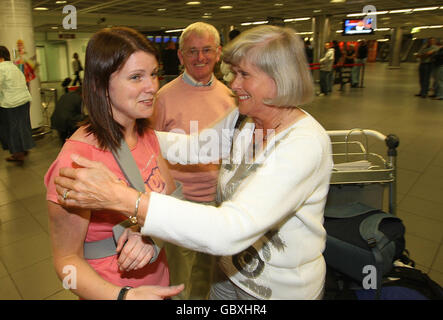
{"type": "Point", "coordinates": [192, 101]}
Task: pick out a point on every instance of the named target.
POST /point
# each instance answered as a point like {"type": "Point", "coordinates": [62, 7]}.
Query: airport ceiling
{"type": "Point", "coordinates": [161, 15]}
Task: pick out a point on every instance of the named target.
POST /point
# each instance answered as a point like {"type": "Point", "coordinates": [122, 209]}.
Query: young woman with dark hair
{"type": "Point", "coordinates": [119, 87]}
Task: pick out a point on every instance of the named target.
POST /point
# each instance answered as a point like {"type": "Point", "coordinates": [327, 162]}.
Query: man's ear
{"type": "Point", "coordinates": [180, 57]}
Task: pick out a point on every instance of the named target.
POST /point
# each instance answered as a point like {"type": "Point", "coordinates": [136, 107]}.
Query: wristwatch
{"type": "Point", "coordinates": [123, 292]}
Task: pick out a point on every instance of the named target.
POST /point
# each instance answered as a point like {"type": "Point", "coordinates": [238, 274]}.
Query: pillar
{"type": "Point", "coordinates": [321, 29]}
{"type": "Point", "coordinates": [17, 34]}
{"type": "Point", "coordinates": [396, 41]}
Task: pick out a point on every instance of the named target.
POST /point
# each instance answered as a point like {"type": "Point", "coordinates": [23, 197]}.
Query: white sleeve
{"type": "Point", "coordinates": [209, 145]}
{"type": "Point", "coordinates": [266, 197]}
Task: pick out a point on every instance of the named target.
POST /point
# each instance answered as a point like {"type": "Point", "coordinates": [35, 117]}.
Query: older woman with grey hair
{"type": "Point", "coordinates": [268, 227]}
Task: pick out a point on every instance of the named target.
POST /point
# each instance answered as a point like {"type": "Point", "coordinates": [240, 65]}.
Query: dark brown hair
{"type": "Point", "coordinates": [107, 52]}
{"type": "Point", "coordinates": [4, 53]}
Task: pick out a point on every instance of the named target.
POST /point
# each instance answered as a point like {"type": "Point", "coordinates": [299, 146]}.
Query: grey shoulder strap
{"type": "Point", "coordinates": [105, 248]}
{"type": "Point", "coordinates": [127, 164]}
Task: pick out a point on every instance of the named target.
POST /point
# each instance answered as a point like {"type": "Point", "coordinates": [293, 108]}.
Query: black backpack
{"type": "Point", "coordinates": [361, 239]}
{"type": "Point", "coordinates": [403, 282]}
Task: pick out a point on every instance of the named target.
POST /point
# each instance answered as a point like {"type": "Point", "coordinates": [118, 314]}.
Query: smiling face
{"type": "Point", "coordinates": [252, 85]}
{"type": "Point", "coordinates": [199, 55]}
{"type": "Point", "coordinates": [132, 88]}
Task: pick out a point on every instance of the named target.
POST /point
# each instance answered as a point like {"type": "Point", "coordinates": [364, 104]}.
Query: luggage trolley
{"type": "Point", "coordinates": [360, 175]}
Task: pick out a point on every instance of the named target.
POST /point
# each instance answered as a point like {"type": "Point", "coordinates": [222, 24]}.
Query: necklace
{"type": "Point", "coordinates": [265, 135]}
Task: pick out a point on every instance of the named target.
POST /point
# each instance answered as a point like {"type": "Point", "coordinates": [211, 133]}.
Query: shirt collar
{"type": "Point", "coordinates": [190, 80]}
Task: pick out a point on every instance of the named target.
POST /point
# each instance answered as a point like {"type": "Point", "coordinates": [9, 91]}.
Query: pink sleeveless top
{"type": "Point", "coordinates": [100, 226]}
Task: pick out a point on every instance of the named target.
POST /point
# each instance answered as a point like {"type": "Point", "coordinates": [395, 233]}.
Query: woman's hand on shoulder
{"type": "Point", "coordinates": [92, 186]}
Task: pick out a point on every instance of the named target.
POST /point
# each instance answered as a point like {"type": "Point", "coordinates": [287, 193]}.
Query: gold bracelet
{"type": "Point", "coordinates": [133, 218]}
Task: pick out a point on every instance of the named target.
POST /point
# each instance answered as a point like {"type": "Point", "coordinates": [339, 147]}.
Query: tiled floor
{"type": "Point", "coordinates": [386, 104]}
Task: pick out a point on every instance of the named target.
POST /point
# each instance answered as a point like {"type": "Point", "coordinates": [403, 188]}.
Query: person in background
{"type": "Point", "coordinates": [77, 68]}
{"type": "Point", "coordinates": [338, 60]}
{"type": "Point", "coordinates": [361, 57]}
{"type": "Point", "coordinates": [195, 99]}
{"type": "Point", "coordinates": [349, 54]}
{"type": "Point", "coordinates": [121, 80]}
{"type": "Point", "coordinates": [425, 66]}
{"type": "Point", "coordinates": [309, 52]}
{"type": "Point", "coordinates": [326, 65]}
{"type": "Point", "coordinates": [268, 227]}
{"type": "Point", "coordinates": [438, 61]}
{"type": "Point", "coordinates": [228, 76]}
{"type": "Point", "coordinates": [15, 122]}
{"type": "Point", "coordinates": [68, 112]}
{"type": "Point", "coordinates": [434, 71]}
{"type": "Point", "coordinates": [170, 62]}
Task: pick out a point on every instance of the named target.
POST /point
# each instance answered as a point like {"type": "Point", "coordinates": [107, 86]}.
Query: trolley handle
{"type": "Point", "coordinates": [392, 141]}
{"type": "Point", "coordinates": [372, 133]}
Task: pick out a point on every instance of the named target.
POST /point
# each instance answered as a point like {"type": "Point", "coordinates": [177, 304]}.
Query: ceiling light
{"type": "Point", "coordinates": [303, 33]}
{"type": "Point", "coordinates": [161, 9]}
{"type": "Point", "coordinates": [382, 40]}
{"type": "Point", "coordinates": [206, 17]}
{"type": "Point", "coordinates": [60, 2]}
{"type": "Point", "coordinates": [278, 4]}
{"type": "Point", "coordinates": [54, 28]}
{"type": "Point", "coordinates": [193, 3]}
{"type": "Point", "coordinates": [356, 14]}
{"type": "Point", "coordinates": [339, 31]}
{"type": "Point", "coordinates": [296, 19]}
{"type": "Point", "coordinates": [425, 9]}
{"type": "Point", "coordinates": [226, 7]}
{"type": "Point", "coordinates": [382, 29]}
{"type": "Point", "coordinates": [175, 30]}
{"type": "Point", "coordinates": [337, 1]}
{"type": "Point", "coordinates": [260, 22]}
{"type": "Point", "coordinates": [435, 27]}
{"type": "Point", "coordinates": [400, 11]}
{"type": "Point", "coordinates": [317, 11]}
{"type": "Point", "coordinates": [246, 23]}
{"type": "Point", "coordinates": [41, 8]}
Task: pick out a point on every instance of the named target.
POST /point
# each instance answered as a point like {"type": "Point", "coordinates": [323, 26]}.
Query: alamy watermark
{"type": "Point", "coordinates": [370, 280]}
{"type": "Point", "coordinates": [70, 21]}
{"type": "Point", "coordinates": [250, 146]}
{"type": "Point", "coordinates": [70, 280]}
{"type": "Point", "coordinates": [371, 16]}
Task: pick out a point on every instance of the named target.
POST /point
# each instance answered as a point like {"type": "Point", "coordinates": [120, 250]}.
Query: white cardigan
{"type": "Point", "coordinates": [270, 233]}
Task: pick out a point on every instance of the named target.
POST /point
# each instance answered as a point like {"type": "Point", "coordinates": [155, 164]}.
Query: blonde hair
{"type": "Point", "coordinates": [280, 53]}
{"type": "Point", "coordinates": [199, 28]}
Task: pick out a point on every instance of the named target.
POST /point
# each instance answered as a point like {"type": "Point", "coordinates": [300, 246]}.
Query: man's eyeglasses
{"type": "Point", "coordinates": [193, 53]}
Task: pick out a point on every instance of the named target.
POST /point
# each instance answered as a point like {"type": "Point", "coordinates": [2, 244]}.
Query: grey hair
{"type": "Point", "coordinates": [199, 28]}
{"type": "Point", "coordinates": [280, 53]}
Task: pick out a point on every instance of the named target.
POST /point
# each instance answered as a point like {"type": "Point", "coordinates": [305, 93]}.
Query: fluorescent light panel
{"type": "Point", "coordinates": [400, 11]}
{"type": "Point", "coordinates": [296, 19]}
{"type": "Point", "coordinates": [175, 30]}
{"type": "Point", "coordinates": [425, 9]}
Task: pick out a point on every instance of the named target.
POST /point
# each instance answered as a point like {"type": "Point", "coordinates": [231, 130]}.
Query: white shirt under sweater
{"type": "Point", "coordinates": [285, 195]}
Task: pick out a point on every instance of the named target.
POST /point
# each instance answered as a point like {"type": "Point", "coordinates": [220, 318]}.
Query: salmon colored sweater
{"type": "Point", "coordinates": [177, 104]}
